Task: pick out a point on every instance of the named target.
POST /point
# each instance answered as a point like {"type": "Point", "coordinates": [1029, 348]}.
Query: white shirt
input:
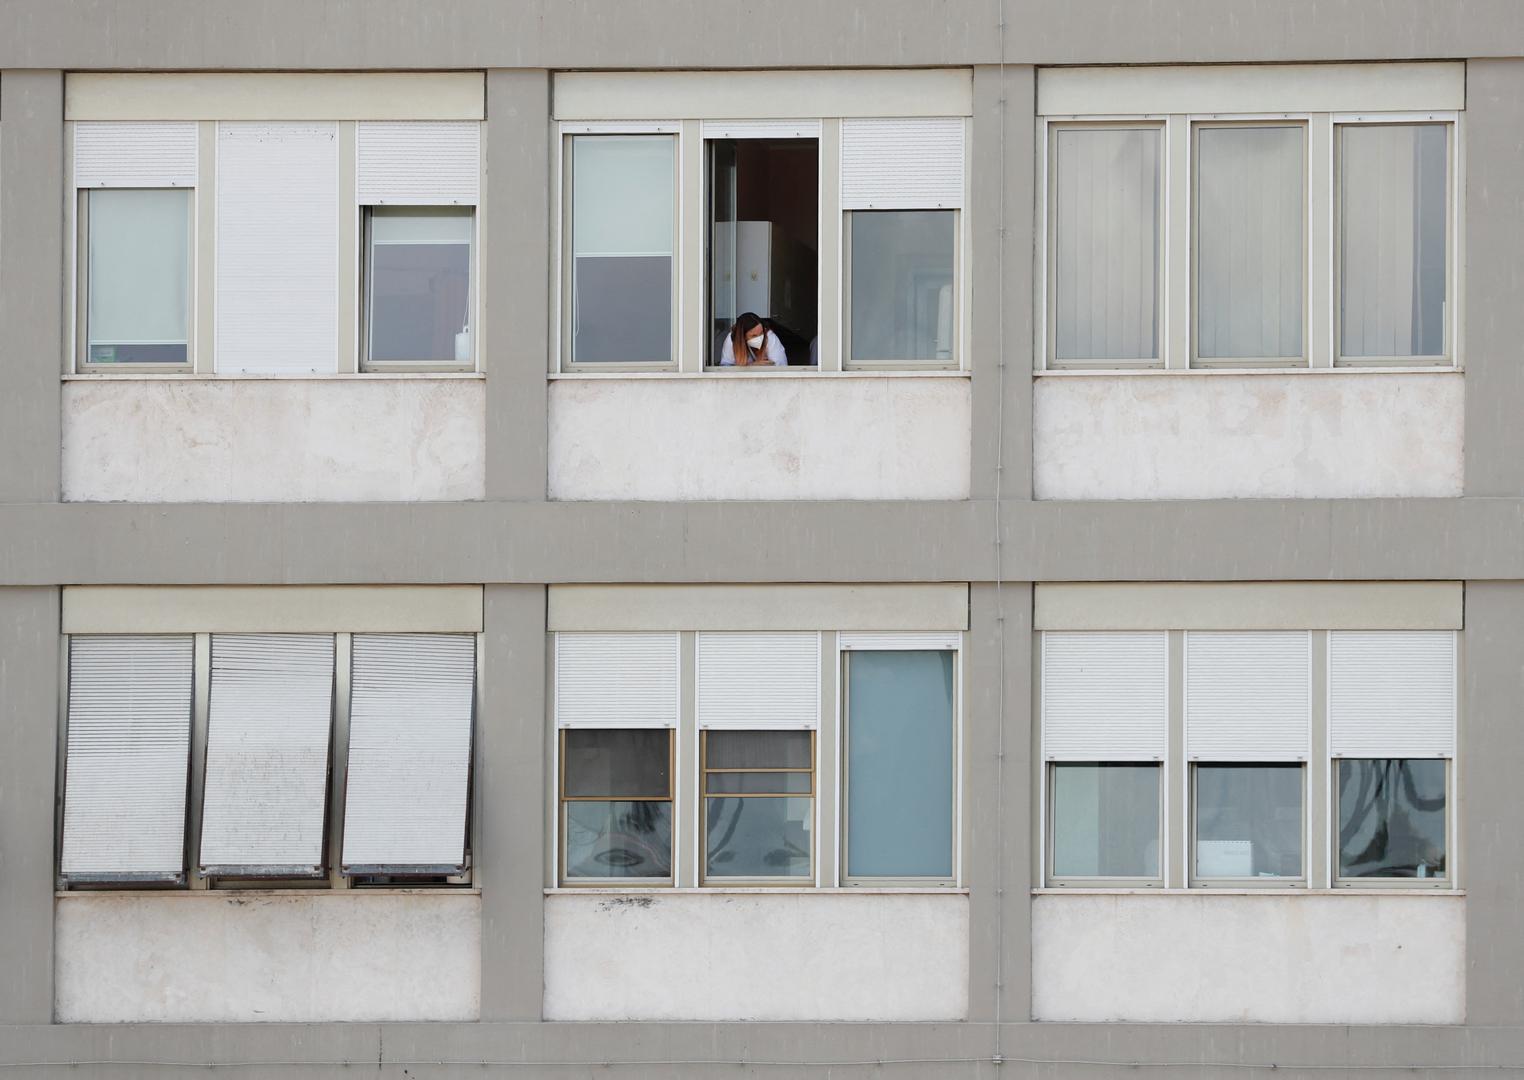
{"type": "Point", "coordinates": [772, 349]}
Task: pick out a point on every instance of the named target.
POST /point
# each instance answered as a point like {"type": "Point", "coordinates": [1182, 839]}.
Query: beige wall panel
{"type": "Point", "coordinates": [759, 607]}
{"type": "Point", "coordinates": [290, 609]}
{"type": "Point", "coordinates": [1267, 605]}
{"type": "Point", "coordinates": [455, 95]}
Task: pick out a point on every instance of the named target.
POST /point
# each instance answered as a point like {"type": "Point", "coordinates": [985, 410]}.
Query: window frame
{"type": "Point", "coordinates": [367, 280]}
{"type": "Point", "coordinates": [955, 362]}
{"type": "Point", "coordinates": [1197, 880]}
{"type": "Point", "coordinates": [1448, 883]}
{"type": "Point", "coordinates": [707, 880]}
{"type": "Point", "coordinates": [565, 880]}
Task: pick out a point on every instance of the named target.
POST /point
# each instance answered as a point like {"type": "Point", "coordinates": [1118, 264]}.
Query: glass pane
{"type": "Point", "coordinates": [622, 246]}
{"type": "Point", "coordinates": [1249, 242]}
{"type": "Point", "coordinates": [1248, 821]}
{"type": "Point", "coordinates": [758, 837]}
{"type": "Point", "coordinates": [139, 276]}
{"type": "Point", "coordinates": [1392, 818]}
{"type": "Point", "coordinates": [632, 764]}
{"type": "Point", "coordinates": [760, 783]}
{"type": "Point", "coordinates": [902, 285]}
{"type": "Point", "coordinates": [1392, 240]}
{"type": "Point", "coordinates": [420, 285]}
{"type": "Point", "coordinates": [618, 839]}
{"type": "Point", "coordinates": [1105, 821]}
{"type": "Point", "coordinates": [757, 749]}
{"type": "Point", "coordinates": [899, 764]}
{"type": "Point", "coordinates": [1105, 207]}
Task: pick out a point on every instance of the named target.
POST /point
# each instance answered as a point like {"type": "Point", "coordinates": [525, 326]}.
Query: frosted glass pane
{"type": "Point", "coordinates": [1105, 207]}
{"type": "Point", "coordinates": [622, 195]}
{"type": "Point", "coordinates": [1392, 198]}
{"type": "Point", "coordinates": [1249, 242]}
{"type": "Point", "coordinates": [1105, 821]}
{"type": "Point", "coordinates": [900, 764]}
{"type": "Point", "coordinates": [139, 275]}
{"type": "Point", "coordinates": [902, 285]}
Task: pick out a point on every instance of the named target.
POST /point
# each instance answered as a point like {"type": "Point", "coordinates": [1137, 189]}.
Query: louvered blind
{"type": "Point", "coordinates": [761, 129]}
{"type": "Point", "coordinates": [761, 680]}
{"type": "Point", "coordinates": [267, 753]}
{"type": "Point", "coordinates": [913, 164]}
{"type": "Point", "coordinates": [409, 751]}
{"type": "Point", "coordinates": [1104, 696]}
{"type": "Point", "coordinates": [1391, 693]}
{"type": "Point", "coordinates": [616, 680]}
{"type": "Point", "coordinates": [418, 163]}
{"type": "Point", "coordinates": [134, 155]}
{"type": "Point", "coordinates": [898, 640]}
{"type": "Point", "coordinates": [1248, 696]}
{"type": "Point", "coordinates": [127, 757]}
{"type": "Point", "coordinates": [277, 248]}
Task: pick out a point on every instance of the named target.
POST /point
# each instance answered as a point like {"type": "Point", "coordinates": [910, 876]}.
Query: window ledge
{"type": "Point", "coordinates": [252, 894]}
{"type": "Point", "coordinates": [802, 374]}
{"type": "Point", "coordinates": [1084, 373]}
{"type": "Point", "coordinates": [1269, 890]}
{"type": "Point", "coordinates": [760, 890]}
{"type": "Point", "coordinates": [186, 376]}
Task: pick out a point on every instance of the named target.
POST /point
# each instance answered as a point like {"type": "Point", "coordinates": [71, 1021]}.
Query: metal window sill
{"type": "Point", "coordinates": [1269, 890]}
{"type": "Point", "coordinates": [802, 373]}
{"type": "Point", "coordinates": [759, 890]}
{"type": "Point", "coordinates": [1089, 373]}
{"type": "Point", "coordinates": [189, 376]}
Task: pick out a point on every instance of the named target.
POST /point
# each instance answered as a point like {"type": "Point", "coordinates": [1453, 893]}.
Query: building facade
{"type": "Point", "coordinates": [1080, 630]}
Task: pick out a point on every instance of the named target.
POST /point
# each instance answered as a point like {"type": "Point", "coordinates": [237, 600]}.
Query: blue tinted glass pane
{"type": "Point", "coordinates": [618, 839]}
{"type": "Point", "coordinates": [758, 837]}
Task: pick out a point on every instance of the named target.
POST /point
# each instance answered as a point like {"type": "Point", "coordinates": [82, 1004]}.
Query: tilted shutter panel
{"type": "Point", "coordinates": [758, 680]}
{"type": "Point", "coordinates": [899, 640]}
{"type": "Point", "coordinates": [410, 715]}
{"type": "Point", "coordinates": [277, 248]}
{"type": "Point", "coordinates": [761, 129]}
{"type": "Point", "coordinates": [133, 155]}
{"type": "Point", "coordinates": [1391, 693]}
{"type": "Point", "coordinates": [902, 164]}
{"type": "Point", "coordinates": [1248, 696]}
{"type": "Point", "coordinates": [418, 163]}
{"type": "Point", "coordinates": [1104, 696]}
{"type": "Point", "coordinates": [267, 753]}
{"type": "Point", "coordinates": [616, 680]}
{"type": "Point", "coordinates": [127, 756]}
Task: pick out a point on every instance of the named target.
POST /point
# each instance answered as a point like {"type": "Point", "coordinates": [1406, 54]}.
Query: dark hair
{"type": "Point", "coordinates": [744, 324]}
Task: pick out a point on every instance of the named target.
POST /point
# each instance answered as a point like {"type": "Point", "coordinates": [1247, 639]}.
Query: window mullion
{"type": "Point", "coordinates": [1319, 791]}
{"type": "Point", "coordinates": [197, 790]}
{"type": "Point", "coordinates": [204, 265]}
{"type": "Point", "coordinates": [686, 855]}
{"type": "Point", "coordinates": [1177, 777]}
{"type": "Point", "coordinates": [1321, 286]}
{"type": "Point", "coordinates": [338, 770]}
{"type": "Point", "coordinates": [1176, 337]}
{"type": "Point", "coordinates": [831, 310]}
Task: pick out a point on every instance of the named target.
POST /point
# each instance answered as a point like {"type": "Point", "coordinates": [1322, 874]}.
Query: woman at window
{"type": "Point", "coordinates": [753, 343]}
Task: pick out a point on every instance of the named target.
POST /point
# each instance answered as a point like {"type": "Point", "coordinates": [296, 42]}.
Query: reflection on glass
{"type": "Point", "coordinates": [1392, 818]}
{"type": "Point", "coordinates": [604, 762]}
{"type": "Point", "coordinates": [1248, 821]}
{"type": "Point", "coordinates": [616, 839]}
{"type": "Point", "coordinates": [758, 837]}
{"type": "Point", "coordinates": [138, 288]}
{"type": "Point", "coordinates": [420, 285]}
{"type": "Point", "coordinates": [1105, 820]}
{"type": "Point", "coordinates": [902, 286]}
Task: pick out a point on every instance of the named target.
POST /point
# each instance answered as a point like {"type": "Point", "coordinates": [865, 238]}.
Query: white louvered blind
{"type": "Point", "coordinates": [761, 129]}
{"type": "Point", "coordinates": [410, 716]}
{"type": "Point", "coordinates": [1248, 696]}
{"type": "Point", "coordinates": [418, 163]}
{"type": "Point", "coordinates": [758, 680]}
{"type": "Point", "coordinates": [1104, 696]}
{"type": "Point", "coordinates": [914, 164]}
{"type": "Point", "coordinates": [1391, 693]}
{"type": "Point", "coordinates": [267, 753]}
{"type": "Point", "coordinates": [134, 155]}
{"type": "Point", "coordinates": [947, 639]}
{"type": "Point", "coordinates": [616, 680]}
{"type": "Point", "coordinates": [277, 248]}
{"type": "Point", "coordinates": [127, 757]}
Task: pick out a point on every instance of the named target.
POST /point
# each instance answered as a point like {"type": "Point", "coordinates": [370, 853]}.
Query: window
{"type": "Point", "coordinates": [616, 804]}
{"type": "Point", "coordinates": [1105, 821]}
{"type": "Point", "coordinates": [418, 287]}
{"type": "Point", "coordinates": [1248, 821]}
{"type": "Point", "coordinates": [759, 805]}
{"type": "Point", "coordinates": [902, 303]}
{"type": "Point", "coordinates": [136, 285]}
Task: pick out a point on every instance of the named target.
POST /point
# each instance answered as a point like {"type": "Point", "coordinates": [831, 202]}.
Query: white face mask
{"type": "Point", "coordinates": [756, 340]}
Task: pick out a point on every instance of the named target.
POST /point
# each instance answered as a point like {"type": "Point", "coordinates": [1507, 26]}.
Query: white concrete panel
{"type": "Point", "coordinates": [1319, 958]}
{"type": "Point", "coordinates": [756, 955]}
{"type": "Point", "coordinates": [1210, 436]}
{"type": "Point", "coordinates": [296, 957]}
{"type": "Point", "coordinates": [762, 437]}
{"type": "Point", "coordinates": [273, 440]}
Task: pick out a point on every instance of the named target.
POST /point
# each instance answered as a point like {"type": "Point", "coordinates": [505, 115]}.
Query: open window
{"type": "Point", "coordinates": [417, 287]}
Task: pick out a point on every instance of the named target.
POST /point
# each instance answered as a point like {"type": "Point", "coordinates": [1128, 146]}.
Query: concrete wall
{"type": "Point", "coordinates": [273, 440]}
{"type": "Point", "coordinates": [761, 954]}
{"type": "Point", "coordinates": [1211, 436]}
{"type": "Point", "coordinates": [759, 437]}
{"type": "Point", "coordinates": [290, 956]}
{"type": "Point", "coordinates": [1254, 958]}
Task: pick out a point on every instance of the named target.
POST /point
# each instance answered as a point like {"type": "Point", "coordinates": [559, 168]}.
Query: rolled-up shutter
{"type": "Point", "coordinates": [1248, 696]}
{"type": "Point", "coordinates": [761, 129]}
{"type": "Point", "coordinates": [127, 757]}
{"type": "Point", "coordinates": [758, 680]}
{"type": "Point", "coordinates": [267, 754]}
{"type": "Point", "coordinates": [134, 155]}
{"type": "Point", "coordinates": [1104, 696]}
{"type": "Point", "coordinates": [616, 680]}
{"type": "Point", "coordinates": [1391, 693]}
{"type": "Point", "coordinates": [909, 640]}
{"type": "Point", "coordinates": [911, 164]}
{"type": "Point", "coordinates": [409, 752]}
{"type": "Point", "coordinates": [418, 163]}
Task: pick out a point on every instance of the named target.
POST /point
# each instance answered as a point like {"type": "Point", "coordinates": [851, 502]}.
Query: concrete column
{"type": "Point", "coordinates": [510, 825]}
{"type": "Point", "coordinates": [515, 273]}
{"type": "Point", "coordinates": [31, 284]}
{"type": "Point", "coordinates": [29, 631]}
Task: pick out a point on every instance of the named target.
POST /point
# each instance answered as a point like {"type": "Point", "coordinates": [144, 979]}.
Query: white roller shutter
{"type": "Point", "coordinates": [418, 163]}
{"type": "Point", "coordinates": [898, 640]}
{"type": "Point", "coordinates": [134, 155]}
{"type": "Point", "coordinates": [616, 680]}
{"type": "Point", "coordinates": [410, 716]}
{"type": "Point", "coordinates": [277, 248]}
{"type": "Point", "coordinates": [1105, 696]}
{"type": "Point", "coordinates": [267, 754]}
{"type": "Point", "coordinates": [912, 164]}
{"type": "Point", "coordinates": [127, 757]}
{"type": "Point", "coordinates": [758, 680]}
{"type": "Point", "coordinates": [761, 129]}
{"type": "Point", "coordinates": [1391, 693]}
{"type": "Point", "coordinates": [1248, 696]}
